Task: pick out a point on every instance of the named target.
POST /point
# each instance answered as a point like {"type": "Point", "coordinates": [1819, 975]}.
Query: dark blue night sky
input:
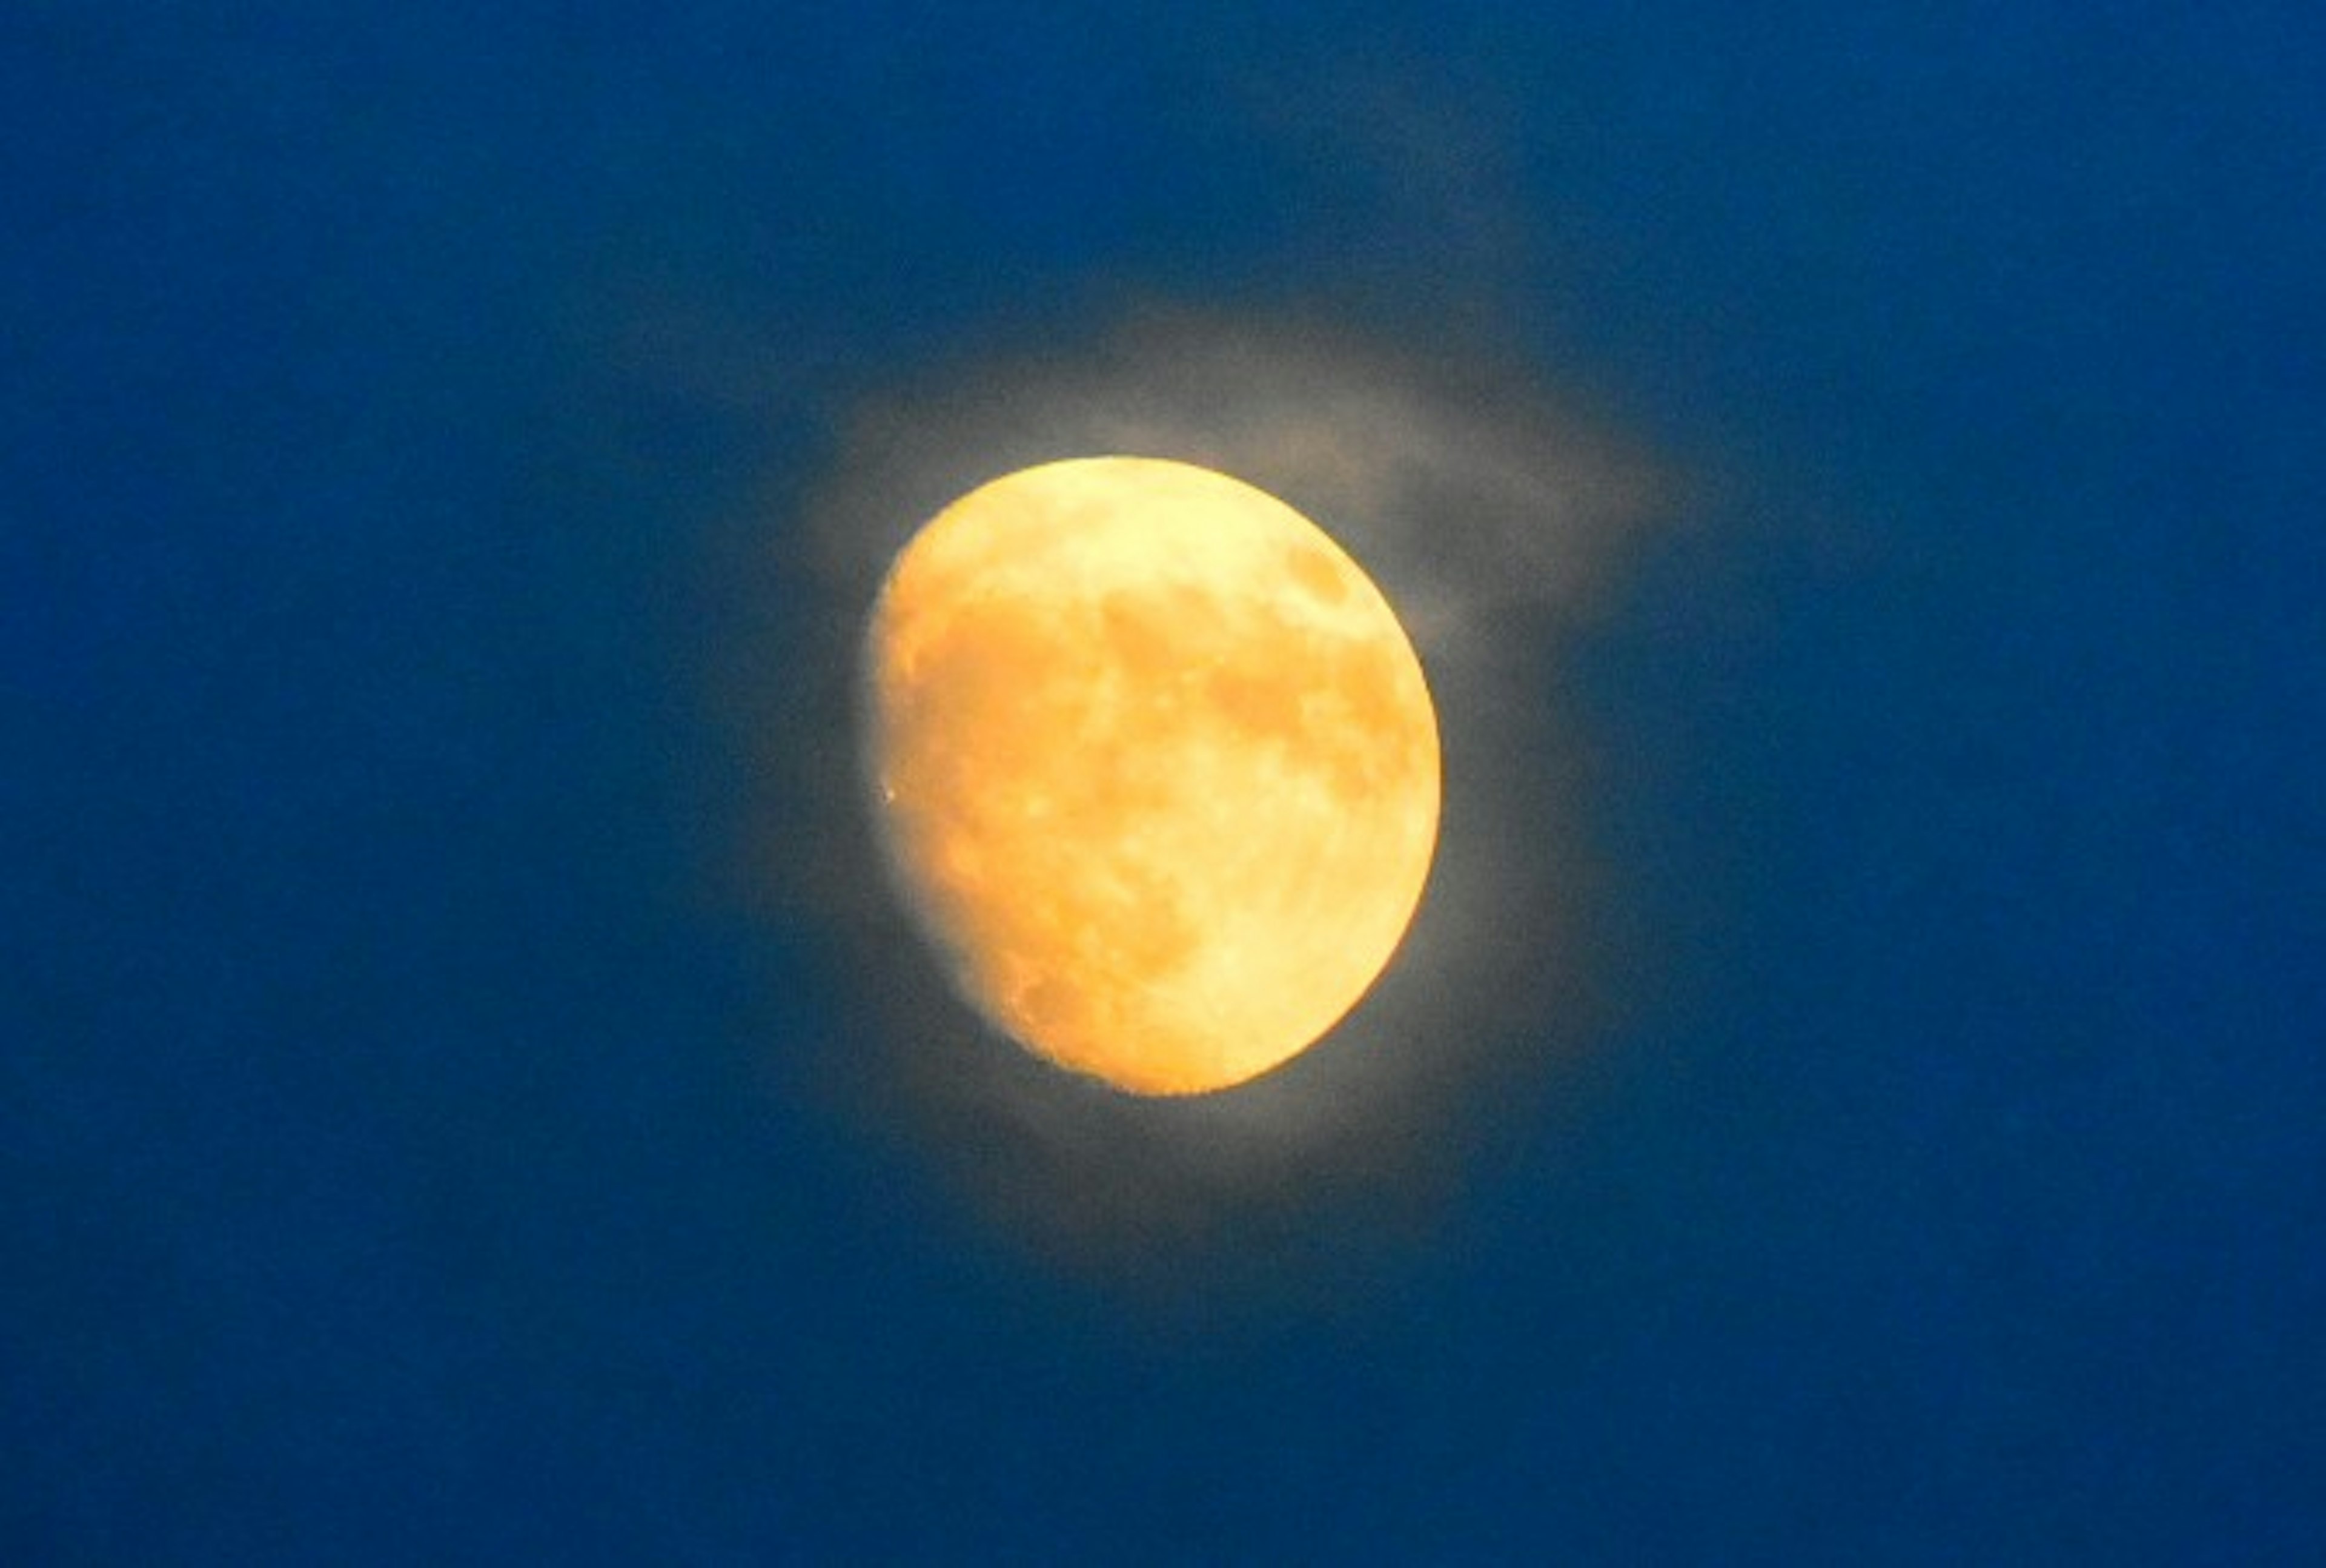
{"type": "Point", "coordinates": [459, 1100]}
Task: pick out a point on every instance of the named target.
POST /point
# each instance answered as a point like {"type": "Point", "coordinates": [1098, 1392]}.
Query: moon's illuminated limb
{"type": "Point", "coordinates": [1156, 764]}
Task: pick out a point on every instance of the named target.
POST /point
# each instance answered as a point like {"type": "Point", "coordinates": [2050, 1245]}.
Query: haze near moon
{"type": "Point", "coordinates": [1155, 765]}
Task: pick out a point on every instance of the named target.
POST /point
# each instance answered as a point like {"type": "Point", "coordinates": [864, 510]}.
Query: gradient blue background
{"type": "Point", "coordinates": [397, 1157]}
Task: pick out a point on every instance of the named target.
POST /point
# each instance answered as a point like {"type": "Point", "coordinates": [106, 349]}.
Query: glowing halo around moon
{"type": "Point", "coordinates": [1154, 763]}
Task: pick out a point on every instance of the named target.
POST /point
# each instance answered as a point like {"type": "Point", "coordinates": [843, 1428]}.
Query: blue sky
{"type": "Point", "coordinates": [463, 1098]}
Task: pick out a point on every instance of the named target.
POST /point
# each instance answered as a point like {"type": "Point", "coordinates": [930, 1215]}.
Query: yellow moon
{"type": "Point", "coordinates": [1155, 764]}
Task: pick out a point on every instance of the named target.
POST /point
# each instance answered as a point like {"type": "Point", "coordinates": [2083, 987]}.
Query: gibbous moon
{"type": "Point", "coordinates": [1155, 764]}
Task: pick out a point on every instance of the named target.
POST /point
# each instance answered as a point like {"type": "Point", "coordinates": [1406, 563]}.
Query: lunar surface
{"type": "Point", "coordinates": [1155, 765]}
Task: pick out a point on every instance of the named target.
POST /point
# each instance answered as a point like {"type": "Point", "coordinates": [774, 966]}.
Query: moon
{"type": "Point", "coordinates": [1154, 765]}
